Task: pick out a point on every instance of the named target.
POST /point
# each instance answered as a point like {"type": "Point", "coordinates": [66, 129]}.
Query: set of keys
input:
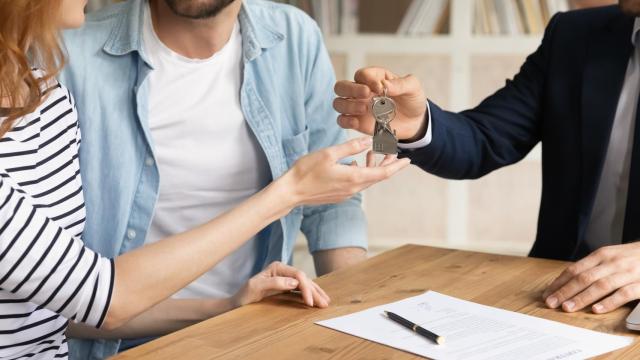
{"type": "Point", "coordinates": [383, 109]}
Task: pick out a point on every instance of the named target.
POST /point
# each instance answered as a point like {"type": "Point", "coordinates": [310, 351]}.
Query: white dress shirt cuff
{"type": "Point", "coordinates": [426, 140]}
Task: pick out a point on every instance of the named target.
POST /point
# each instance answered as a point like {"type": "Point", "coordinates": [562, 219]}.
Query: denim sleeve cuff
{"type": "Point", "coordinates": [340, 226]}
{"type": "Point", "coordinates": [426, 140]}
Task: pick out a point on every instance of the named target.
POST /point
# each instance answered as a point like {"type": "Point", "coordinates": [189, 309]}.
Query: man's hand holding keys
{"type": "Point", "coordinates": [354, 99]}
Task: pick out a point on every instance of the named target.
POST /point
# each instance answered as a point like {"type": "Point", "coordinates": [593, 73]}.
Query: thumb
{"type": "Point", "coordinates": [407, 85]}
{"type": "Point", "coordinates": [279, 283]}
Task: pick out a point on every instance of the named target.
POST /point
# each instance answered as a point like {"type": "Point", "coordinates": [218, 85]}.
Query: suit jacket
{"type": "Point", "coordinates": [564, 96]}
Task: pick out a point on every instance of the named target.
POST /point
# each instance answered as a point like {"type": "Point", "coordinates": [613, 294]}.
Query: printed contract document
{"type": "Point", "coordinates": [473, 331]}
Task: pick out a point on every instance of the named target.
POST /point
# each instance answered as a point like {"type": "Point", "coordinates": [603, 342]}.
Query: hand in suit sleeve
{"type": "Point", "coordinates": [500, 131]}
{"type": "Point", "coordinates": [605, 280]}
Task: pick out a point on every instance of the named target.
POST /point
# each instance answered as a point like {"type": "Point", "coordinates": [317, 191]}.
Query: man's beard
{"type": "Point", "coordinates": [197, 9]}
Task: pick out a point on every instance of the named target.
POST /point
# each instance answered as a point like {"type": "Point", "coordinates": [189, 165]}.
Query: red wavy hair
{"type": "Point", "coordinates": [29, 37]}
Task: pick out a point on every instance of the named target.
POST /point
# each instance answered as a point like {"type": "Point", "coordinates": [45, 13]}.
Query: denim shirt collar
{"type": "Point", "coordinates": [126, 36]}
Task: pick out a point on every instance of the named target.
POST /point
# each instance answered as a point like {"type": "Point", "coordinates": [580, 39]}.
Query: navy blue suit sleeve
{"type": "Point", "coordinates": [500, 131]}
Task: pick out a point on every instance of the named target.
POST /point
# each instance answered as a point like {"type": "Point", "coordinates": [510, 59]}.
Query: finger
{"type": "Point", "coordinates": [321, 291]}
{"type": "Point", "coordinates": [351, 107]}
{"type": "Point", "coordinates": [596, 291]}
{"type": "Point", "coordinates": [371, 159]}
{"type": "Point", "coordinates": [388, 159]}
{"type": "Point", "coordinates": [359, 179]}
{"type": "Point", "coordinates": [592, 260]}
{"type": "Point", "coordinates": [349, 148]}
{"type": "Point", "coordinates": [278, 284]}
{"type": "Point", "coordinates": [577, 284]}
{"type": "Point", "coordinates": [360, 124]}
{"type": "Point", "coordinates": [321, 299]}
{"type": "Point", "coordinates": [350, 89]}
{"type": "Point", "coordinates": [303, 281]}
{"type": "Point", "coordinates": [619, 298]}
{"type": "Point", "coordinates": [403, 86]}
{"type": "Point", "coordinates": [306, 288]}
{"type": "Point", "coordinates": [371, 176]}
{"type": "Point", "coordinates": [318, 298]}
{"type": "Point", "coordinates": [372, 77]}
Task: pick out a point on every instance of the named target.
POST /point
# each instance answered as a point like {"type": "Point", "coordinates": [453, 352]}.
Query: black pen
{"type": "Point", "coordinates": [415, 327]}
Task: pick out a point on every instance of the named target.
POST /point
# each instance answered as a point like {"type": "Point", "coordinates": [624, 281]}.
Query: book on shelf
{"type": "Point", "coordinates": [334, 17]}
{"type": "Point", "coordinates": [376, 16]}
{"type": "Point", "coordinates": [433, 16]}
{"type": "Point", "coordinates": [517, 17]}
{"type": "Point", "coordinates": [404, 17]}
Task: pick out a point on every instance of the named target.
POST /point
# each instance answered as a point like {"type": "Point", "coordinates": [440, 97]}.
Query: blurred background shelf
{"type": "Point", "coordinates": [431, 44]}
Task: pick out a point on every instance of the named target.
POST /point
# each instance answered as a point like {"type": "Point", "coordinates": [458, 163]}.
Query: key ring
{"type": "Point", "coordinates": [385, 120]}
{"type": "Point", "coordinates": [384, 95]}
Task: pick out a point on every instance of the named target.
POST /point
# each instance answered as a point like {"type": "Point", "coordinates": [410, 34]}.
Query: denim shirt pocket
{"type": "Point", "coordinates": [294, 148]}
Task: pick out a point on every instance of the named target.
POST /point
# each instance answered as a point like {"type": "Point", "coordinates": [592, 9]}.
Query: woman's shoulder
{"type": "Point", "coordinates": [52, 89]}
{"type": "Point", "coordinates": [57, 101]}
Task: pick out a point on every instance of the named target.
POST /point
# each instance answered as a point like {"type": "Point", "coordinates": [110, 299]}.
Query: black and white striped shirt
{"type": "Point", "coordinates": [47, 276]}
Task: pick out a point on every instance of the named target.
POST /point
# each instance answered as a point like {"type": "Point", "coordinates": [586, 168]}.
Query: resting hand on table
{"type": "Point", "coordinates": [278, 278]}
{"type": "Point", "coordinates": [605, 280]}
{"type": "Point", "coordinates": [354, 101]}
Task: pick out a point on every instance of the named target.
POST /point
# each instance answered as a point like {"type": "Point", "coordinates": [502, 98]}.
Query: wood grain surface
{"type": "Point", "coordinates": [282, 328]}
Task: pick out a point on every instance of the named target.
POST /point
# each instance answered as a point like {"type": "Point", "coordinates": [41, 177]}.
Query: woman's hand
{"type": "Point", "coordinates": [278, 278]}
{"type": "Point", "coordinates": [319, 178]}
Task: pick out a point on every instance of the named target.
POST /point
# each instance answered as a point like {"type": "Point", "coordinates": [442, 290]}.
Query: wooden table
{"type": "Point", "coordinates": [280, 328]}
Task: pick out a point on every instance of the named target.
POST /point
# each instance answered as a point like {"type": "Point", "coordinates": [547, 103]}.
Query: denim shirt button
{"type": "Point", "coordinates": [131, 234]}
{"type": "Point", "coordinates": [149, 161]}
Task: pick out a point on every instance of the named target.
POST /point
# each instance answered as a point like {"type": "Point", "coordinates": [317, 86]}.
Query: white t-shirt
{"type": "Point", "coordinates": [208, 157]}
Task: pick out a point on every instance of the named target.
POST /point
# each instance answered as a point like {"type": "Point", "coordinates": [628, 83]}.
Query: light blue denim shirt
{"type": "Point", "coordinates": [286, 98]}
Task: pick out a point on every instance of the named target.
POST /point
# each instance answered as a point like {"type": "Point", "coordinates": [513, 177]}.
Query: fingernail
{"type": "Point", "coordinates": [292, 282]}
{"type": "Point", "coordinates": [366, 141]}
{"type": "Point", "coordinates": [598, 308]}
{"type": "Point", "coordinates": [552, 302]}
{"type": "Point", "coordinates": [569, 305]}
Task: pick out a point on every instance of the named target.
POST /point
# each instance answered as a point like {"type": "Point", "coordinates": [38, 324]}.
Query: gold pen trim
{"type": "Point", "coordinates": [415, 328]}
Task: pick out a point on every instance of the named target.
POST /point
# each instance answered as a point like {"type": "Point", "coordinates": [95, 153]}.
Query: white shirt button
{"type": "Point", "coordinates": [131, 234]}
{"type": "Point", "coordinates": [149, 161]}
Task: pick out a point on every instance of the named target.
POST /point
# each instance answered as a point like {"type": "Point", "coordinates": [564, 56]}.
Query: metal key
{"type": "Point", "coordinates": [383, 109]}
